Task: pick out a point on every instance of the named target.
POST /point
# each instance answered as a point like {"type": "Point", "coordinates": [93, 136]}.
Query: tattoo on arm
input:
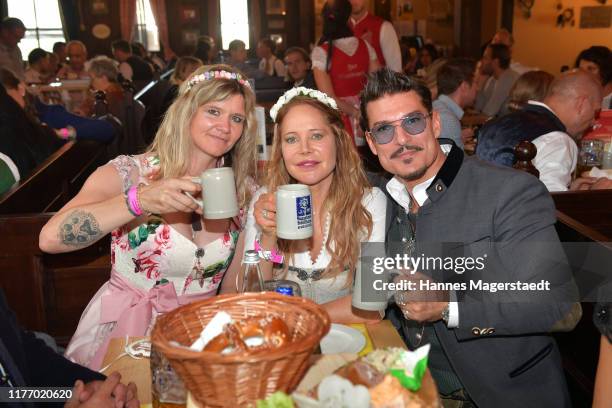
{"type": "Point", "coordinates": [79, 229]}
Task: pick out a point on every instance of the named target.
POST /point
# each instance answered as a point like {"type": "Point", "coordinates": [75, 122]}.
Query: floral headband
{"type": "Point", "coordinates": [301, 91]}
{"type": "Point", "coordinates": [208, 75]}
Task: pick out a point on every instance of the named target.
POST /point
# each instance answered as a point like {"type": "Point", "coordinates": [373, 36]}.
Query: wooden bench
{"type": "Point", "coordinates": [48, 292]}
{"type": "Point", "coordinates": [55, 181]}
{"type": "Point", "coordinates": [583, 216]}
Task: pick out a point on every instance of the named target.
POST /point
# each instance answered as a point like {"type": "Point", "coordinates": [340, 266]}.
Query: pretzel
{"type": "Point", "coordinates": [251, 335]}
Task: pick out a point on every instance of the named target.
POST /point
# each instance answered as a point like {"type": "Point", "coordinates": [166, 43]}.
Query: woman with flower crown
{"type": "Point", "coordinates": [311, 146]}
{"type": "Point", "coordinates": [163, 254]}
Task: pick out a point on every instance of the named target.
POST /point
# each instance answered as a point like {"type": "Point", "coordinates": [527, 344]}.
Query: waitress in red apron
{"type": "Point", "coordinates": [341, 63]}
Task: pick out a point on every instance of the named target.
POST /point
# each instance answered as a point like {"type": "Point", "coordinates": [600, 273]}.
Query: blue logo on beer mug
{"type": "Point", "coordinates": [285, 290]}
{"type": "Point", "coordinates": [304, 212]}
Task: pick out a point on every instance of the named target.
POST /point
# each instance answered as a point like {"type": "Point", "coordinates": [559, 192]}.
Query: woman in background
{"type": "Point", "coordinates": [531, 86]}
{"type": "Point", "coordinates": [341, 62]}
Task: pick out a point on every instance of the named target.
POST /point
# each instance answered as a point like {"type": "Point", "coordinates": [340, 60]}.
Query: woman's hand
{"type": "Point", "coordinates": [265, 214]}
{"type": "Point", "coordinates": [168, 195]}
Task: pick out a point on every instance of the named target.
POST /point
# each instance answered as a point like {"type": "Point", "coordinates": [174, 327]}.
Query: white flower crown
{"type": "Point", "coordinates": [301, 91]}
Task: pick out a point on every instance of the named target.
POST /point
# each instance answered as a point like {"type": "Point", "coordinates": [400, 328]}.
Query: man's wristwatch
{"type": "Point", "coordinates": [446, 313]}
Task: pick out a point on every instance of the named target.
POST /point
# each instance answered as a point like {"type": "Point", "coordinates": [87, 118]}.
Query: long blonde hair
{"type": "Point", "coordinates": [349, 218]}
{"type": "Point", "coordinates": [173, 144]}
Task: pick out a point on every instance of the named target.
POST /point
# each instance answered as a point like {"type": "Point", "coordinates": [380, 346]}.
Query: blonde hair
{"type": "Point", "coordinates": [185, 66]}
{"type": "Point", "coordinates": [349, 218]}
{"type": "Point", "coordinates": [532, 85]}
{"type": "Point", "coordinates": [173, 143]}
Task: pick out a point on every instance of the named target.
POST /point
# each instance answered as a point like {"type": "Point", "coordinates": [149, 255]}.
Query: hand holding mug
{"type": "Point", "coordinates": [220, 199]}
{"type": "Point", "coordinates": [168, 196]}
{"type": "Point", "coordinates": [265, 213]}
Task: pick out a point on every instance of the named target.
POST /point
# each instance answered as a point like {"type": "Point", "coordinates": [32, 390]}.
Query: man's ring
{"type": "Point", "coordinates": [264, 212]}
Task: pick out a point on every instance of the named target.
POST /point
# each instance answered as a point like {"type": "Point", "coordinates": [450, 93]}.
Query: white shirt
{"type": "Point", "coordinates": [275, 65]}
{"type": "Point", "coordinates": [326, 289]}
{"type": "Point", "coordinates": [556, 157]}
{"type": "Point", "coordinates": [399, 193]}
{"type": "Point", "coordinates": [389, 45]}
{"type": "Point", "coordinates": [347, 45]}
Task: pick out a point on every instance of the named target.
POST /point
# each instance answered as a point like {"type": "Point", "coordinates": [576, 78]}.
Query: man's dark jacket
{"type": "Point", "coordinates": [30, 362]}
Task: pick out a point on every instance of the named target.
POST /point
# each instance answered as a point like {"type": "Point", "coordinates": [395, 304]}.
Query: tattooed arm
{"type": "Point", "coordinates": [79, 229]}
{"type": "Point", "coordinates": [95, 211]}
{"type": "Point", "coordinates": [100, 207]}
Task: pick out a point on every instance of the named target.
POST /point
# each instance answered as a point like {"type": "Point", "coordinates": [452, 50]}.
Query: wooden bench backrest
{"type": "Point", "coordinates": [55, 181]}
{"type": "Point", "coordinates": [48, 292]}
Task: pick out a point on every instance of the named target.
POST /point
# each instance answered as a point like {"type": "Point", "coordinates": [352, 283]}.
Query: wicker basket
{"type": "Point", "coordinates": [217, 380]}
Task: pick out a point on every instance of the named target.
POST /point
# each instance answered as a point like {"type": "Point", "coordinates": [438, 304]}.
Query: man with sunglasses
{"type": "Point", "coordinates": [485, 352]}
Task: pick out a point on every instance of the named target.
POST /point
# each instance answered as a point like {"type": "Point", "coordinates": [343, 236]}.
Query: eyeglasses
{"type": "Point", "coordinates": [413, 124]}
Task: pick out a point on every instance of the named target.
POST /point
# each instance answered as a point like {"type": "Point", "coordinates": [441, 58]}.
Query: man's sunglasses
{"type": "Point", "coordinates": [413, 124]}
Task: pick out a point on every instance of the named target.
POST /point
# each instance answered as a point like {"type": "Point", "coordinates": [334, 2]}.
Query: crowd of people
{"type": "Point", "coordinates": [407, 114]}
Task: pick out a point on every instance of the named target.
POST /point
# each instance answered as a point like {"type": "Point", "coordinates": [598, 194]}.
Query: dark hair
{"type": "Point", "coordinates": [138, 49]}
{"type": "Point", "coordinates": [597, 54]}
{"type": "Point", "coordinates": [387, 82]}
{"type": "Point", "coordinates": [501, 53]}
{"type": "Point", "coordinates": [202, 51]}
{"type": "Point", "coordinates": [298, 50]}
{"type": "Point", "coordinates": [36, 55]}
{"type": "Point", "coordinates": [336, 14]}
{"type": "Point", "coordinates": [606, 71]}
{"type": "Point", "coordinates": [431, 49]}
{"type": "Point", "coordinates": [268, 43]}
{"type": "Point", "coordinates": [236, 45]}
{"type": "Point", "coordinates": [453, 73]}
{"type": "Point", "coordinates": [122, 45]}
{"type": "Point", "coordinates": [58, 45]}
{"type": "Point", "coordinates": [11, 23]}
{"type": "Point", "coordinates": [8, 79]}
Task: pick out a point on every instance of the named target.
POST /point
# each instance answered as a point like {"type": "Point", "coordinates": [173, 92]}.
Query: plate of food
{"type": "Point", "coordinates": [342, 339]}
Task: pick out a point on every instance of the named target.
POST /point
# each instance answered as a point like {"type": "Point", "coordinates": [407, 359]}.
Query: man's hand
{"type": "Point", "coordinates": [107, 393]}
{"type": "Point", "coordinates": [421, 305]}
{"type": "Point", "coordinates": [591, 183]}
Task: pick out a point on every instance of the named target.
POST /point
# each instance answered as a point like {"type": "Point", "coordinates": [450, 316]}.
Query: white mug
{"type": "Point", "coordinates": [293, 212]}
{"type": "Point", "coordinates": [218, 192]}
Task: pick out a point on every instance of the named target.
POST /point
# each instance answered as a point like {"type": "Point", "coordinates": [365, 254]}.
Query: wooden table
{"type": "Point", "coordinates": [382, 334]}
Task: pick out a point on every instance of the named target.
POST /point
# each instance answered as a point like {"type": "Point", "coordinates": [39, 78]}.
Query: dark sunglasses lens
{"type": "Point", "coordinates": [414, 124]}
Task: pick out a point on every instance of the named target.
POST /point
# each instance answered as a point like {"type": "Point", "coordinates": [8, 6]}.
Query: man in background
{"type": "Point", "coordinates": [299, 67]}
{"type": "Point", "coordinates": [269, 63]}
{"type": "Point", "coordinates": [12, 32]}
{"type": "Point", "coordinates": [505, 37]}
{"type": "Point", "coordinates": [456, 91]}
{"type": "Point", "coordinates": [492, 100]}
{"type": "Point", "coordinates": [39, 67]}
{"type": "Point", "coordinates": [553, 126]}
{"type": "Point", "coordinates": [379, 33]}
{"type": "Point", "coordinates": [131, 67]}
{"type": "Point", "coordinates": [77, 57]}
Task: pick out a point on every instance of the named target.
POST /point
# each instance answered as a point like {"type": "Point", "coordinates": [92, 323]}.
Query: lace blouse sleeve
{"type": "Point", "coordinates": [127, 168]}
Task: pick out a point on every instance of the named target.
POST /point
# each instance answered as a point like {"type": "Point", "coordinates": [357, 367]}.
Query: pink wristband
{"type": "Point", "coordinates": [132, 201]}
{"type": "Point", "coordinates": [272, 256]}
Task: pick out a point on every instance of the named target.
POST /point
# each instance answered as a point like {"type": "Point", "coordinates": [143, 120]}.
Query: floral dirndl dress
{"type": "Point", "coordinates": [154, 269]}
